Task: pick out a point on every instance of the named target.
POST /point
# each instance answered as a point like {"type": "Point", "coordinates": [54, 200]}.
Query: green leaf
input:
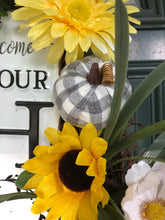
{"type": "Point", "coordinates": [14, 196]}
{"type": "Point", "coordinates": [109, 213]}
{"type": "Point", "coordinates": [157, 148]}
{"type": "Point", "coordinates": [136, 99]}
{"type": "Point", "coordinates": [137, 158]}
{"type": "Point", "coordinates": [121, 64]}
{"type": "Point", "coordinates": [23, 178]}
{"type": "Point", "coordinates": [136, 136]}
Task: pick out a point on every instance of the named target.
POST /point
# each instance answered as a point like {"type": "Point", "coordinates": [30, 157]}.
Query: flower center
{"type": "Point", "coordinates": [79, 10]}
{"type": "Point", "coordinates": [74, 177]}
{"type": "Point", "coordinates": [154, 210]}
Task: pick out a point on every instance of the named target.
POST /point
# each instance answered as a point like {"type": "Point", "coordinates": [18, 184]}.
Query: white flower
{"type": "Point", "coordinates": [145, 195]}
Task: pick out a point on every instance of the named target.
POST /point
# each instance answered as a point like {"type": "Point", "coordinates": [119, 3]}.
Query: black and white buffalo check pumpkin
{"type": "Point", "coordinates": [78, 101]}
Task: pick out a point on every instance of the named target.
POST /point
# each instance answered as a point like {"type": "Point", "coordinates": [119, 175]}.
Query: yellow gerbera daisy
{"type": "Point", "coordinates": [69, 174]}
{"type": "Point", "coordinates": [73, 26]}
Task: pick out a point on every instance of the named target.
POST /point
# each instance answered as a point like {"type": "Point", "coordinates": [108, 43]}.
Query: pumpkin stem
{"type": "Point", "coordinates": [107, 74]}
{"type": "Point", "coordinates": [94, 77]}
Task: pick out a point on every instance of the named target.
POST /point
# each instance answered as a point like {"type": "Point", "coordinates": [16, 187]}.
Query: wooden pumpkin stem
{"type": "Point", "coordinates": [94, 77]}
{"type": "Point", "coordinates": [107, 74]}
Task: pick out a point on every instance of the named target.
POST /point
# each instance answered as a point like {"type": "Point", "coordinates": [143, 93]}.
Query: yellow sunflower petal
{"type": "Point", "coordinates": [41, 205]}
{"type": "Point", "coordinates": [98, 147]}
{"type": "Point", "coordinates": [70, 40]}
{"type": "Point", "coordinates": [43, 41]}
{"type": "Point", "coordinates": [68, 129]}
{"type": "Point", "coordinates": [61, 203]}
{"type": "Point", "coordinates": [97, 182]}
{"type": "Point", "coordinates": [96, 197]}
{"type": "Point", "coordinates": [25, 13]}
{"type": "Point", "coordinates": [88, 133]}
{"type": "Point", "coordinates": [71, 212]}
{"type": "Point", "coordinates": [92, 170]}
{"type": "Point", "coordinates": [105, 199]}
{"type": "Point", "coordinates": [59, 148]}
{"type": "Point", "coordinates": [71, 141]}
{"type": "Point", "coordinates": [85, 211]}
{"type": "Point", "coordinates": [39, 29]}
{"type": "Point", "coordinates": [39, 4]}
{"type": "Point", "coordinates": [40, 150]}
{"type": "Point", "coordinates": [53, 135]}
{"type": "Point", "coordinates": [56, 51]}
{"type": "Point", "coordinates": [48, 186]}
{"type": "Point", "coordinates": [42, 165]}
{"type": "Point", "coordinates": [58, 29]}
{"type": "Point", "coordinates": [101, 166]}
{"type": "Point", "coordinates": [84, 158]}
{"type": "Point", "coordinates": [33, 182]}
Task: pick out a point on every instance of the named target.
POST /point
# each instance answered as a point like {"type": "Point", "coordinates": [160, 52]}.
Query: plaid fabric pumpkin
{"type": "Point", "coordinates": [78, 101]}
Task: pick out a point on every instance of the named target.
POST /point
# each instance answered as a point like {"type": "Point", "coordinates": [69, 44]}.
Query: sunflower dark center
{"type": "Point", "coordinates": [74, 177]}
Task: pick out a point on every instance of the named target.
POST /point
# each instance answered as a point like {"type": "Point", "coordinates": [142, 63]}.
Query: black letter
{"type": "Point", "coordinates": [18, 79]}
{"type": "Point", "coordinates": [40, 80]}
{"type": "Point", "coordinates": [11, 79]}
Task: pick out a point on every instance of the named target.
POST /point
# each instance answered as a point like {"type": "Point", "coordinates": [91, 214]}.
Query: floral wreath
{"type": "Point", "coordinates": [74, 178]}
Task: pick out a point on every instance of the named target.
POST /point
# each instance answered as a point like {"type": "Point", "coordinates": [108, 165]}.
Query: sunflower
{"type": "Point", "coordinates": [72, 26]}
{"type": "Point", "coordinates": [69, 174]}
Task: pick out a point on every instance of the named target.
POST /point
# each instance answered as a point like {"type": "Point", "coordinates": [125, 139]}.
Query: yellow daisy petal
{"type": "Point", "coordinates": [88, 133]}
{"type": "Point", "coordinates": [85, 42]}
{"type": "Point", "coordinates": [58, 29]}
{"type": "Point", "coordinates": [25, 13]}
{"type": "Point", "coordinates": [53, 135]}
{"type": "Point", "coordinates": [39, 4]}
{"type": "Point", "coordinates": [85, 211]}
{"type": "Point", "coordinates": [35, 21]}
{"type": "Point", "coordinates": [70, 57]}
{"type": "Point", "coordinates": [56, 51]}
{"type": "Point", "coordinates": [98, 53]}
{"type": "Point", "coordinates": [43, 41]}
{"type": "Point", "coordinates": [132, 30]}
{"type": "Point", "coordinates": [33, 182]}
{"type": "Point", "coordinates": [70, 40]}
{"type": "Point", "coordinates": [108, 39]}
{"type": "Point", "coordinates": [48, 186]}
{"type": "Point", "coordinates": [68, 129]}
{"type": "Point", "coordinates": [98, 147]}
{"type": "Point", "coordinates": [40, 205]}
{"type": "Point", "coordinates": [84, 158]}
{"type": "Point", "coordinates": [132, 9]}
{"type": "Point", "coordinates": [40, 150]}
{"type": "Point", "coordinates": [71, 141]}
{"type": "Point", "coordinates": [134, 20]}
{"type": "Point", "coordinates": [39, 29]}
{"type": "Point", "coordinates": [99, 43]}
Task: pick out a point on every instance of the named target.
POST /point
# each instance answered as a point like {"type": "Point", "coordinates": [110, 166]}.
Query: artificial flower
{"type": "Point", "coordinates": [69, 174]}
{"type": "Point", "coordinates": [145, 196]}
{"type": "Point", "coordinates": [72, 26]}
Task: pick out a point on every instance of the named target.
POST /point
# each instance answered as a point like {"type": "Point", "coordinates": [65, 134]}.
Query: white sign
{"type": "Point", "coordinates": [26, 83]}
